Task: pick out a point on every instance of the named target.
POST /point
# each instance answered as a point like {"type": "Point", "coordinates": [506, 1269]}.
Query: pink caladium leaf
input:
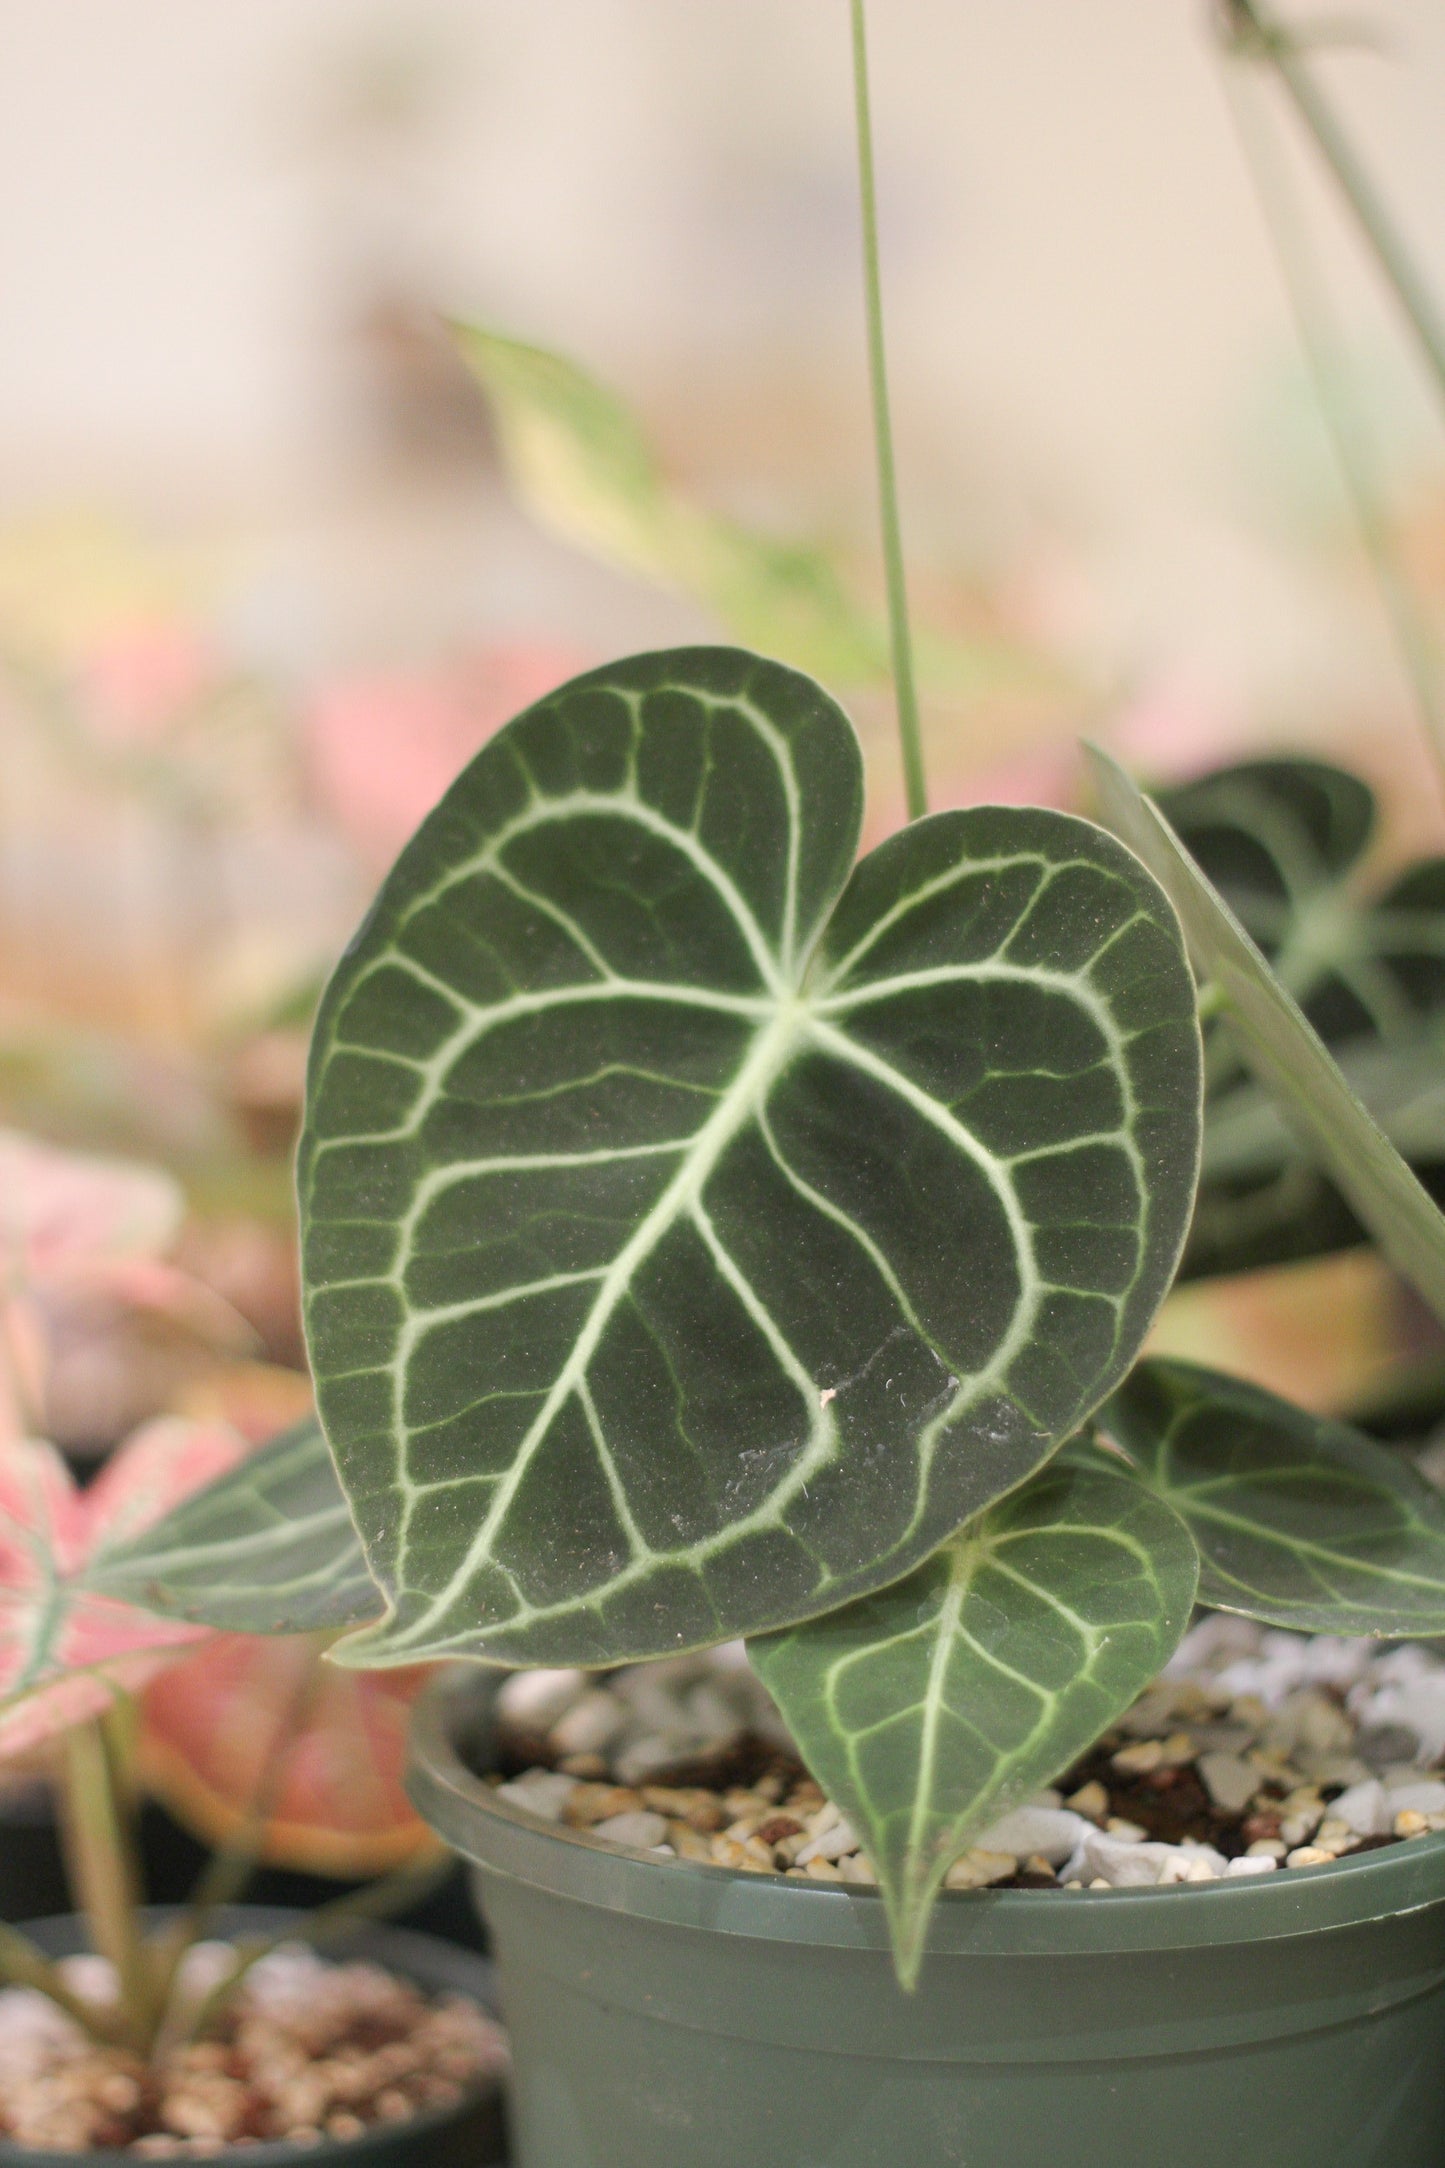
{"type": "Point", "coordinates": [249, 1721]}
{"type": "Point", "coordinates": [65, 1651]}
{"type": "Point", "coordinates": [75, 1225]}
{"type": "Point", "coordinates": [65, 1215]}
{"type": "Point", "coordinates": [383, 748]}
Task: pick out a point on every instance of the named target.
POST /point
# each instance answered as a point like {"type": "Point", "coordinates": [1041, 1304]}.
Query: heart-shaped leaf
{"type": "Point", "coordinates": [690, 1248]}
{"type": "Point", "coordinates": [1299, 1521]}
{"type": "Point", "coordinates": [930, 1709]}
{"type": "Point", "coordinates": [1284, 1050]}
{"type": "Point", "coordinates": [269, 1548]}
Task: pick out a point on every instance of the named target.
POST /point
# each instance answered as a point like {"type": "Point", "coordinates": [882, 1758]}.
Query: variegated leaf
{"type": "Point", "coordinates": [268, 1549]}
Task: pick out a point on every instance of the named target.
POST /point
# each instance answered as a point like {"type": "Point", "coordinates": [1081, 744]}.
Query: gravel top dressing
{"type": "Point", "coordinates": [309, 2050]}
{"type": "Point", "coordinates": [1255, 1750]}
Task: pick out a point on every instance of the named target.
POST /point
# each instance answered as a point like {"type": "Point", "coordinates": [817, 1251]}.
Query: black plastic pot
{"type": "Point", "coordinates": [469, 2135]}
{"type": "Point", "coordinates": [671, 2015]}
{"type": "Point", "coordinates": [173, 1859]}
{"type": "Point", "coordinates": [32, 1872]}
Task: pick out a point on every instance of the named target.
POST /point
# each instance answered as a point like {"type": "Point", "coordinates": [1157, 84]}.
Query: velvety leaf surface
{"type": "Point", "coordinates": [1284, 1050]}
{"type": "Point", "coordinates": [928, 1710]}
{"type": "Point", "coordinates": [270, 1548]}
{"type": "Point", "coordinates": [690, 1247]}
{"type": "Point", "coordinates": [1299, 1521]}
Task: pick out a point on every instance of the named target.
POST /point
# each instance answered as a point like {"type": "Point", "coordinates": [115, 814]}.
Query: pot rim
{"type": "Point", "coordinates": [398, 1948]}
{"type": "Point", "coordinates": [505, 1841]}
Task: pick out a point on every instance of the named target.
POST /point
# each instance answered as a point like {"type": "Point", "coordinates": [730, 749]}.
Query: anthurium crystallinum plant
{"type": "Point", "coordinates": [708, 1233]}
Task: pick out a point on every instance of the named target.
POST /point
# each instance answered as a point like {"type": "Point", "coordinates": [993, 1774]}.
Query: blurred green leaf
{"type": "Point", "coordinates": [579, 461]}
{"type": "Point", "coordinates": [1283, 1049]}
{"type": "Point", "coordinates": [1284, 842]}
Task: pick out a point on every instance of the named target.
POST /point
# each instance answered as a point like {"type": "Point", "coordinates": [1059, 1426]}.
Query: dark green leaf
{"type": "Point", "coordinates": [928, 1710]}
{"type": "Point", "coordinates": [1284, 842]}
{"type": "Point", "coordinates": [1299, 1521]}
{"type": "Point", "coordinates": [269, 1548]}
{"type": "Point", "coordinates": [686, 1254]}
{"type": "Point", "coordinates": [1283, 1049]}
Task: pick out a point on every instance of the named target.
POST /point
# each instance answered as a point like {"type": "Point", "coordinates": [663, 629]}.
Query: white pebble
{"type": "Point", "coordinates": [1052, 1832]}
{"type": "Point", "coordinates": [1367, 1809]}
{"type": "Point", "coordinates": [639, 1829]}
{"type": "Point", "coordinates": [1230, 1782]}
{"type": "Point", "coordinates": [536, 1699]}
{"type": "Point", "coordinates": [1426, 1796]}
{"type": "Point", "coordinates": [636, 1763]}
{"type": "Point", "coordinates": [833, 1843]}
{"type": "Point", "coordinates": [1250, 1863]}
{"type": "Point", "coordinates": [1122, 1865]}
{"type": "Point", "coordinates": [589, 1724]}
{"type": "Point", "coordinates": [541, 1791]}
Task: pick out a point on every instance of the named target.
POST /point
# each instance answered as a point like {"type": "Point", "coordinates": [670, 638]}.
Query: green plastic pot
{"type": "Point", "coordinates": [469, 2135]}
{"type": "Point", "coordinates": [671, 2015]}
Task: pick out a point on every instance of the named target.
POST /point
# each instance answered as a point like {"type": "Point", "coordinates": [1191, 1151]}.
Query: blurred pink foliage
{"type": "Point", "coordinates": [64, 1653]}
{"type": "Point", "coordinates": [138, 679]}
{"type": "Point", "coordinates": [383, 748]}
{"type": "Point", "coordinates": [76, 1226]}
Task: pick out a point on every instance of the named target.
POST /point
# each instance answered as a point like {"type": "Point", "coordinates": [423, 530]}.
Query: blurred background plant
{"type": "Point", "coordinates": [280, 549]}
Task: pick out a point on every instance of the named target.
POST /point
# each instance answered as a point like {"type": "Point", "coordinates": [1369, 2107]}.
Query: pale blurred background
{"type": "Point", "coordinates": [220, 222]}
{"type": "Point", "coordinates": [264, 582]}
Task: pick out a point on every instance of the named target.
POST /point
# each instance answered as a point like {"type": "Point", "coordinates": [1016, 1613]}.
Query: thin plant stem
{"type": "Point", "coordinates": [905, 692]}
{"type": "Point", "coordinates": [101, 1855]}
{"type": "Point", "coordinates": [23, 1965]}
{"type": "Point", "coordinates": [1256, 31]}
{"type": "Point", "coordinates": [231, 1865]}
{"type": "Point", "coordinates": [395, 1892]}
{"type": "Point", "coordinates": [1342, 418]}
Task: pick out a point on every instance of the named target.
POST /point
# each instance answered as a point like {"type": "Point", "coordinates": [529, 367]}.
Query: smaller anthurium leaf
{"type": "Point", "coordinates": [1300, 1521]}
{"type": "Point", "coordinates": [65, 1648]}
{"type": "Point", "coordinates": [928, 1710]}
{"type": "Point", "coordinates": [1283, 1049]}
{"type": "Point", "coordinates": [269, 1548]}
{"type": "Point", "coordinates": [1284, 842]}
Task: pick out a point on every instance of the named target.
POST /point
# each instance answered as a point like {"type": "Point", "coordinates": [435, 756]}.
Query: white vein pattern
{"type": "Point", "coordinates": [269, 1548]}
{"type": "Point", "coordinates": [462, 1534]}
{"type": "Point", "coordinates": [1083, 1579]}
{"type": "Point", "coordinates": [1300, 1521]}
